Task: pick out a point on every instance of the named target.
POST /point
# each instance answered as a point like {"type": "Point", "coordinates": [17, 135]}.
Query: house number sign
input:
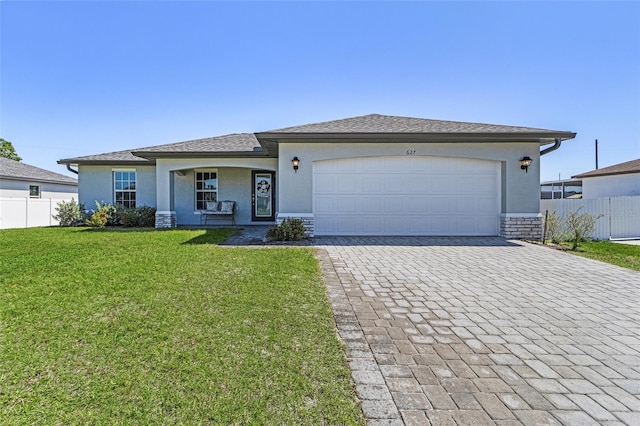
{"type": "Point", "coordinates": [411, 152]}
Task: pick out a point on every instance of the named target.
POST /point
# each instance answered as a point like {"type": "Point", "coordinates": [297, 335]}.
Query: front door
{"type": "Point", "coordinates": [263, 198]}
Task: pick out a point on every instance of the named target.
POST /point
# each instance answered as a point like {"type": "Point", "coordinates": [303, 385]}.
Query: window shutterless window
{"type": "Point", "coordinates": [124, 184]}
{"type": "Point", "coordinates": [34, 191]}
{"type": "Point", "coordinates": [206, 188]}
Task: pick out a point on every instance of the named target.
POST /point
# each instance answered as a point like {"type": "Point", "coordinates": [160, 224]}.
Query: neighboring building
{"type": "Point", "coordinates": [368, 175]}
{"type": "Point", "coordinates": [614, 181]}
{"type": "Point", "coordinates": [558, 189]}
{"type": "Point", "coordinates": [29, 194]}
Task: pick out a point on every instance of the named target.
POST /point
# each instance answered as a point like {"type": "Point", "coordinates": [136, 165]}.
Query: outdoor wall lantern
{"type": "Point", "coordinates": [525, 163]}
{"type": "Point", "coordinates": [296, 164]}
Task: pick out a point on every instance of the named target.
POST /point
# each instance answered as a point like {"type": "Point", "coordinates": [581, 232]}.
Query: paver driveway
{"type": "Point", "coordinates": [485, 331]}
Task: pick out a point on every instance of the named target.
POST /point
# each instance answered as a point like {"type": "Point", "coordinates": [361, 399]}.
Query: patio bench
{"type": "Point", "coordinates": [219, 210]}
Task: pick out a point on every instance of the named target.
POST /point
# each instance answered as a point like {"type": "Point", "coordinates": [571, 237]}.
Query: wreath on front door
{"type": "Point", "coordinates": [263, 186]}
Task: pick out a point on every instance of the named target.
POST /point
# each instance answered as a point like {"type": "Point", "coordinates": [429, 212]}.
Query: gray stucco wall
{"type": "Point", "coordinates": [234, 183]}
{"type": "Point", "coordinates": [520, 191]}
{"type": "Point", "coordinates": [95, 183]}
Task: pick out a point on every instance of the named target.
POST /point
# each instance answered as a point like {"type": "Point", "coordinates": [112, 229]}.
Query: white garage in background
{"type": "Point", "coordinates": [406, 195]}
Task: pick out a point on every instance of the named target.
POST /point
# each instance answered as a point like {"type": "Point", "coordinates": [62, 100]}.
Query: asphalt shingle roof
{"type": "Point", "coordinates": [11, 169]}
{"type": "Point", "coordinates": [376, 123]}
{"type": "Point", "coordinates": [236, 142]}
{"type": "Point", "coordinates": [116, 156]}
{"type": "Point", "coordinates": [632, 166]}
{"type": "Point", "coordinates": [263, 143]}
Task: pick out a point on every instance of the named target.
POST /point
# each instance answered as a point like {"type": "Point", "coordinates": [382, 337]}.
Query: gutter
{"type": "Point", "coordinates": [70, 169]}
{"type": "Point", "coordinates": [555, 146]}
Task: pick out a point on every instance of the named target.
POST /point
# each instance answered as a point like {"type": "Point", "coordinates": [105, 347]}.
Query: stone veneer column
{"type": "Point", "coordinates": [527, 226]}
{"type": "Point", "coordinates": [306, 218]}
{"type": "Point", "coordinates": [166, 219]}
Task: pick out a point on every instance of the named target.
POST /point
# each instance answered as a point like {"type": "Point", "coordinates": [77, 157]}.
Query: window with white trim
{"type": "Point", "coordinates": [124, 184]}
{"type": "Point", "coordinates": [206, 188]}
{"type": "Point", "coordinates": [34, 191]}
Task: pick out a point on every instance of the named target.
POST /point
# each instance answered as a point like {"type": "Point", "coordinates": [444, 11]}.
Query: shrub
{"type": "Point", "coordinates": [97, 220]}
{"type": "Point", "coordinates": [288, 230]}
{"type": "Point", "coordinates": [553, 227]}
{"type": "Point", "coordinates": [146, 216]}
{"type": "Point", "coordinates": [129, 218]}
{"type": "Point", "coordinates": [579, 226]}
{"type": "Point", "coordinates": [103, 214]}
{"type": "Point", "coordinates": [143, 216]}
{"type": "Point", "coordinates": [69, 213]}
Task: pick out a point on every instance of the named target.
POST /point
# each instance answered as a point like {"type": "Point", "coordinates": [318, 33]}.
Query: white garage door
{"type": "Point", "coordinates": [411, 195]}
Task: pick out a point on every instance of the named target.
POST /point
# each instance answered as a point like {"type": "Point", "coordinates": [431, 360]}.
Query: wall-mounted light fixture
{"type": "Point", "coordinates": [525, 163]}
{"type": "Point", "coordinates": [296, 164]}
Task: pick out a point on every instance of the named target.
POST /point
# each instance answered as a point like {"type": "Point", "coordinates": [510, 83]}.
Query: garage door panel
{"type": "Point", "coordinates": [372, 165]}
{"type": "Point", "coordinates": [439, 204]}
{"type": "Point", "coordinates": [394, 184]}
{"type": "Point", "coordinates": [324, 184]}
{"type": "Point", "coordinates": [372, 184]}
{"type": "Point", "coordinates": [465, 204]}
{"type": "Point", "coordinates": [324, 204]}
{"type": "Point", "coordinates": [345, 204]}
{"type": "Point", "coordinates": [486, 205]}
{"type": "Point", "coordinates": [372, 204]}
{"type": "Point", "coordinates": [406, 196]}
{"type": "Point", "coordinates": [439, 184]}
{"type": "Point", "coordinates": [484, 184]}
{"type": "Point", "coordinates": [417, 204]}
{"type": "Point", "coordinates": [394, 205]}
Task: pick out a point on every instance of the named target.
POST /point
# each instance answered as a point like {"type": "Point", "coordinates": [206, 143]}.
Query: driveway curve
{"type": "Point", "coordinates": [484, 331]}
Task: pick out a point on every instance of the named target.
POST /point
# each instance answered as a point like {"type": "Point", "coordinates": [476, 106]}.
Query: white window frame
{"type": "Point", "coordinates": [197, 191]}
{"type": "Point", "coordinates": [116, 190]}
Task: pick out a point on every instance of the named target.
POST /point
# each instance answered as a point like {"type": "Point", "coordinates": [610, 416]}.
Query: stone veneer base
{"type": "Point", "coordinates": [526, 226]}
{"type": "Point", "coordinates": [166, 219]}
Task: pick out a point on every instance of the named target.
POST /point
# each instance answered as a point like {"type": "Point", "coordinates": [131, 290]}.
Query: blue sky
{"type": "Point", "coordinates": [86, 77]}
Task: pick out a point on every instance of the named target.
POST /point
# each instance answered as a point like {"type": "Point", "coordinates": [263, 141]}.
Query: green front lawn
{"type": "Point", "coordinates": [165, 327]}
{"type": "Point", "coordinates": [625, 255]}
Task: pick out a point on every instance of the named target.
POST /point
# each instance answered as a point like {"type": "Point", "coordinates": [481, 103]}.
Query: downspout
{"type": "Point", "coordinates": [551, 148]}
{"type": "Point", "coordinates": [70, 169]}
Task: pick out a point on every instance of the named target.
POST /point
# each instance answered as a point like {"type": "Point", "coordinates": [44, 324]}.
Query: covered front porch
{"type": "Point", "coordinates": [187, 188]}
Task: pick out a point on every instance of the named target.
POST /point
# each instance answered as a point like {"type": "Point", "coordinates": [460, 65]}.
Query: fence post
{"type": "Point", "coordinates": [544, 230]}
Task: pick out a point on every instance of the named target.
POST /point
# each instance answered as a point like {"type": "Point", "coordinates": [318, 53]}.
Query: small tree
{"type": "Point", "coordinates": [553, 227]}
{"type": "Point", "coordinates": [8, 151]}
{"type": "Point", "coordinates": [579, 226]}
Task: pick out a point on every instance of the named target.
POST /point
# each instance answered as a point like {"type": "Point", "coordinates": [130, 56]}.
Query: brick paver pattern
{"type": "Point", "coordinates": [484, 331]}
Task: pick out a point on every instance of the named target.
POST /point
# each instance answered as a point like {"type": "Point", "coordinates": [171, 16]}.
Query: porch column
{"type": "Point", "coordinates": [165, 216]}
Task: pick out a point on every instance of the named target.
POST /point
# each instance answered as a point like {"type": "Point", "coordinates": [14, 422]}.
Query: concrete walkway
{"type": "Point", "coordinates": [484, 331]}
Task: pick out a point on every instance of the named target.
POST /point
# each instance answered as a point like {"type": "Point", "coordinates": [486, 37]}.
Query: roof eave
{"type": "Point", "coordinates": [31, 179]}
{"type": "Point", "coordinates": [589, 175]}
{"type": "Point", "coordinates": [543, 138]}
{"type": "Point", "coordinates": [151, 155]}
{"type": "Point", "coordinates": [78, 162]}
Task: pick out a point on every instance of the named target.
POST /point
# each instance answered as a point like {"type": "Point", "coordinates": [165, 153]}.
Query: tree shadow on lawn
{"type": "Point", "coordinates": [212, 236]}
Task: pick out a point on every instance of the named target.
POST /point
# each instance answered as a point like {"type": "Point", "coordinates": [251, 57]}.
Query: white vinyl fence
{"type": "Point", "coordinates": [618, 217]}
{"type": "Point", "coordinates": [28, 212]}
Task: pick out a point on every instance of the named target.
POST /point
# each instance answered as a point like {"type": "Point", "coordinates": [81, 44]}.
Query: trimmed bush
{"type": "Point", "coordinates": [146, 216]}
{"type": "Point", "coordinates": [288, 230]}
{"type": "Point", "coordinates": [129, 218]}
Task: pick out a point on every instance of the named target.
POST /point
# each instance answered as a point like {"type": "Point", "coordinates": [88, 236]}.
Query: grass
{"type": "Point", "coordinates": [165, 327]}
{"type": "Point", "coordinates": [625, 255]}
